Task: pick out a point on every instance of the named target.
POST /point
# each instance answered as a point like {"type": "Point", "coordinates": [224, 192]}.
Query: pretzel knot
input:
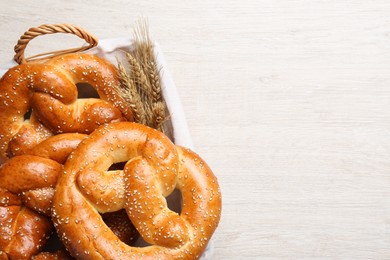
{"type": "Point", "coordinates": [23, 230]}
{"type": "Point", "coordinates": [50, 91]}
{"type": "Point", "coordinates": [154, 168]}
{"type": "Point", "coordinates": [25, 204]}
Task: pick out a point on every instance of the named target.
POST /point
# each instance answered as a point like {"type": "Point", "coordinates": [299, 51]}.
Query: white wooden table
{"type": "Point", "coordinates": [288, 101]}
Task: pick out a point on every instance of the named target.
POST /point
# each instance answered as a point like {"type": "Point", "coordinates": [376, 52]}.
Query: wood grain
{"type": "Point", "coordinates": [288, 101]}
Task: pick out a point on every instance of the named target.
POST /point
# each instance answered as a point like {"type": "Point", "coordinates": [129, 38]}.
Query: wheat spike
{"type": "Point", "coordinates": [129, 93]}
{"type": "Point", "coordinates": [138, 75]}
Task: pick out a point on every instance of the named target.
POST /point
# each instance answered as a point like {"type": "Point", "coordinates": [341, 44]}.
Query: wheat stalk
{"type": "Point", "coordinates": [154, 78]}
{"type": "Point", "coordinates": [139, 77]}
{"type": "Point", "coordinates": [144, 52]}
{"type": "Point", "coordinates": [129, 93]}
{"type": "Point", "coordinates": [142, 84]}
{"type": "Point", "coordinates": [159, 115]}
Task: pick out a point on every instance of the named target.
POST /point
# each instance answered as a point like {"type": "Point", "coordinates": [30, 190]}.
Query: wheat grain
{"type": "Point", "coordinates": [138, 76]}
{"type": "Point", "coordinates": [159, 115]}
{"type": "Point", "coordinates": [129, 93]}
{"type": "Point", "coordinates": [154, 79]}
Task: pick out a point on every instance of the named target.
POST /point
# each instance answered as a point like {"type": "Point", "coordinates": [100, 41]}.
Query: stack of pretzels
{"type": "Point", "coordinates": [82, 171]}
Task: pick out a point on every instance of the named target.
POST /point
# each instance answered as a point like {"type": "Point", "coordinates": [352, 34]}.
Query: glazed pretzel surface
{"type": "Point", "coordinates": [27, 188]}
{"type": "Point", "coordinates": [25, 207]}
{"type": "Point", "coordinates": [155, 167]}
{"type": "Point", "coordinates": [49, 89]}
{"type": "Point", "coordinates": [23, 232]}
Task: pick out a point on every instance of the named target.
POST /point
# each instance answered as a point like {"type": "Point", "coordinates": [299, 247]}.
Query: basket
{"type": "Point", "coordinates": [113, 50]}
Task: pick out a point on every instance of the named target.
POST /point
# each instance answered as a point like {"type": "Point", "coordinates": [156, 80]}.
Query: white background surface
{"type": "Point", "coordinates": [288, 101]}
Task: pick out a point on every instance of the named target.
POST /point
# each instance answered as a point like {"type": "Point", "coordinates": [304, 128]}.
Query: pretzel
{"type": "Point", "coordinates": [27, 188]}
{"type": "Point", "coordinates": [155, 168]}
{"type": "Point", "coordinates": [23, 232]}
{"type": "Point", "coordinates": [54, 150]}
{"type": "Point", "coordinates": [49, 89]}
{"type": "Point", "coordinates": [37, 173]}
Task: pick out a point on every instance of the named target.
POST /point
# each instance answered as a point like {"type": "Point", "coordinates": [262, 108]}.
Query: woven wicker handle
{"type": "Point", "coordinates": [50, 29]}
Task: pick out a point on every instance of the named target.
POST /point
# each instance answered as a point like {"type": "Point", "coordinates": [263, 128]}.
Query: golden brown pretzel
{"type": "Point", "coordinates": [54, 149]}
{"type": "Point", "coordinates": [32, 176]}
{"type": "Point", "coordinates": [36, 174]}
{"type": "Point", "coordinates": [50, 90]}
{"type": "Point", "coordinates": [26, 188]}
{"type": "Point", "coordinates": [154, 168]}
{"type": "Point", "coordinates": [23, 232]}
